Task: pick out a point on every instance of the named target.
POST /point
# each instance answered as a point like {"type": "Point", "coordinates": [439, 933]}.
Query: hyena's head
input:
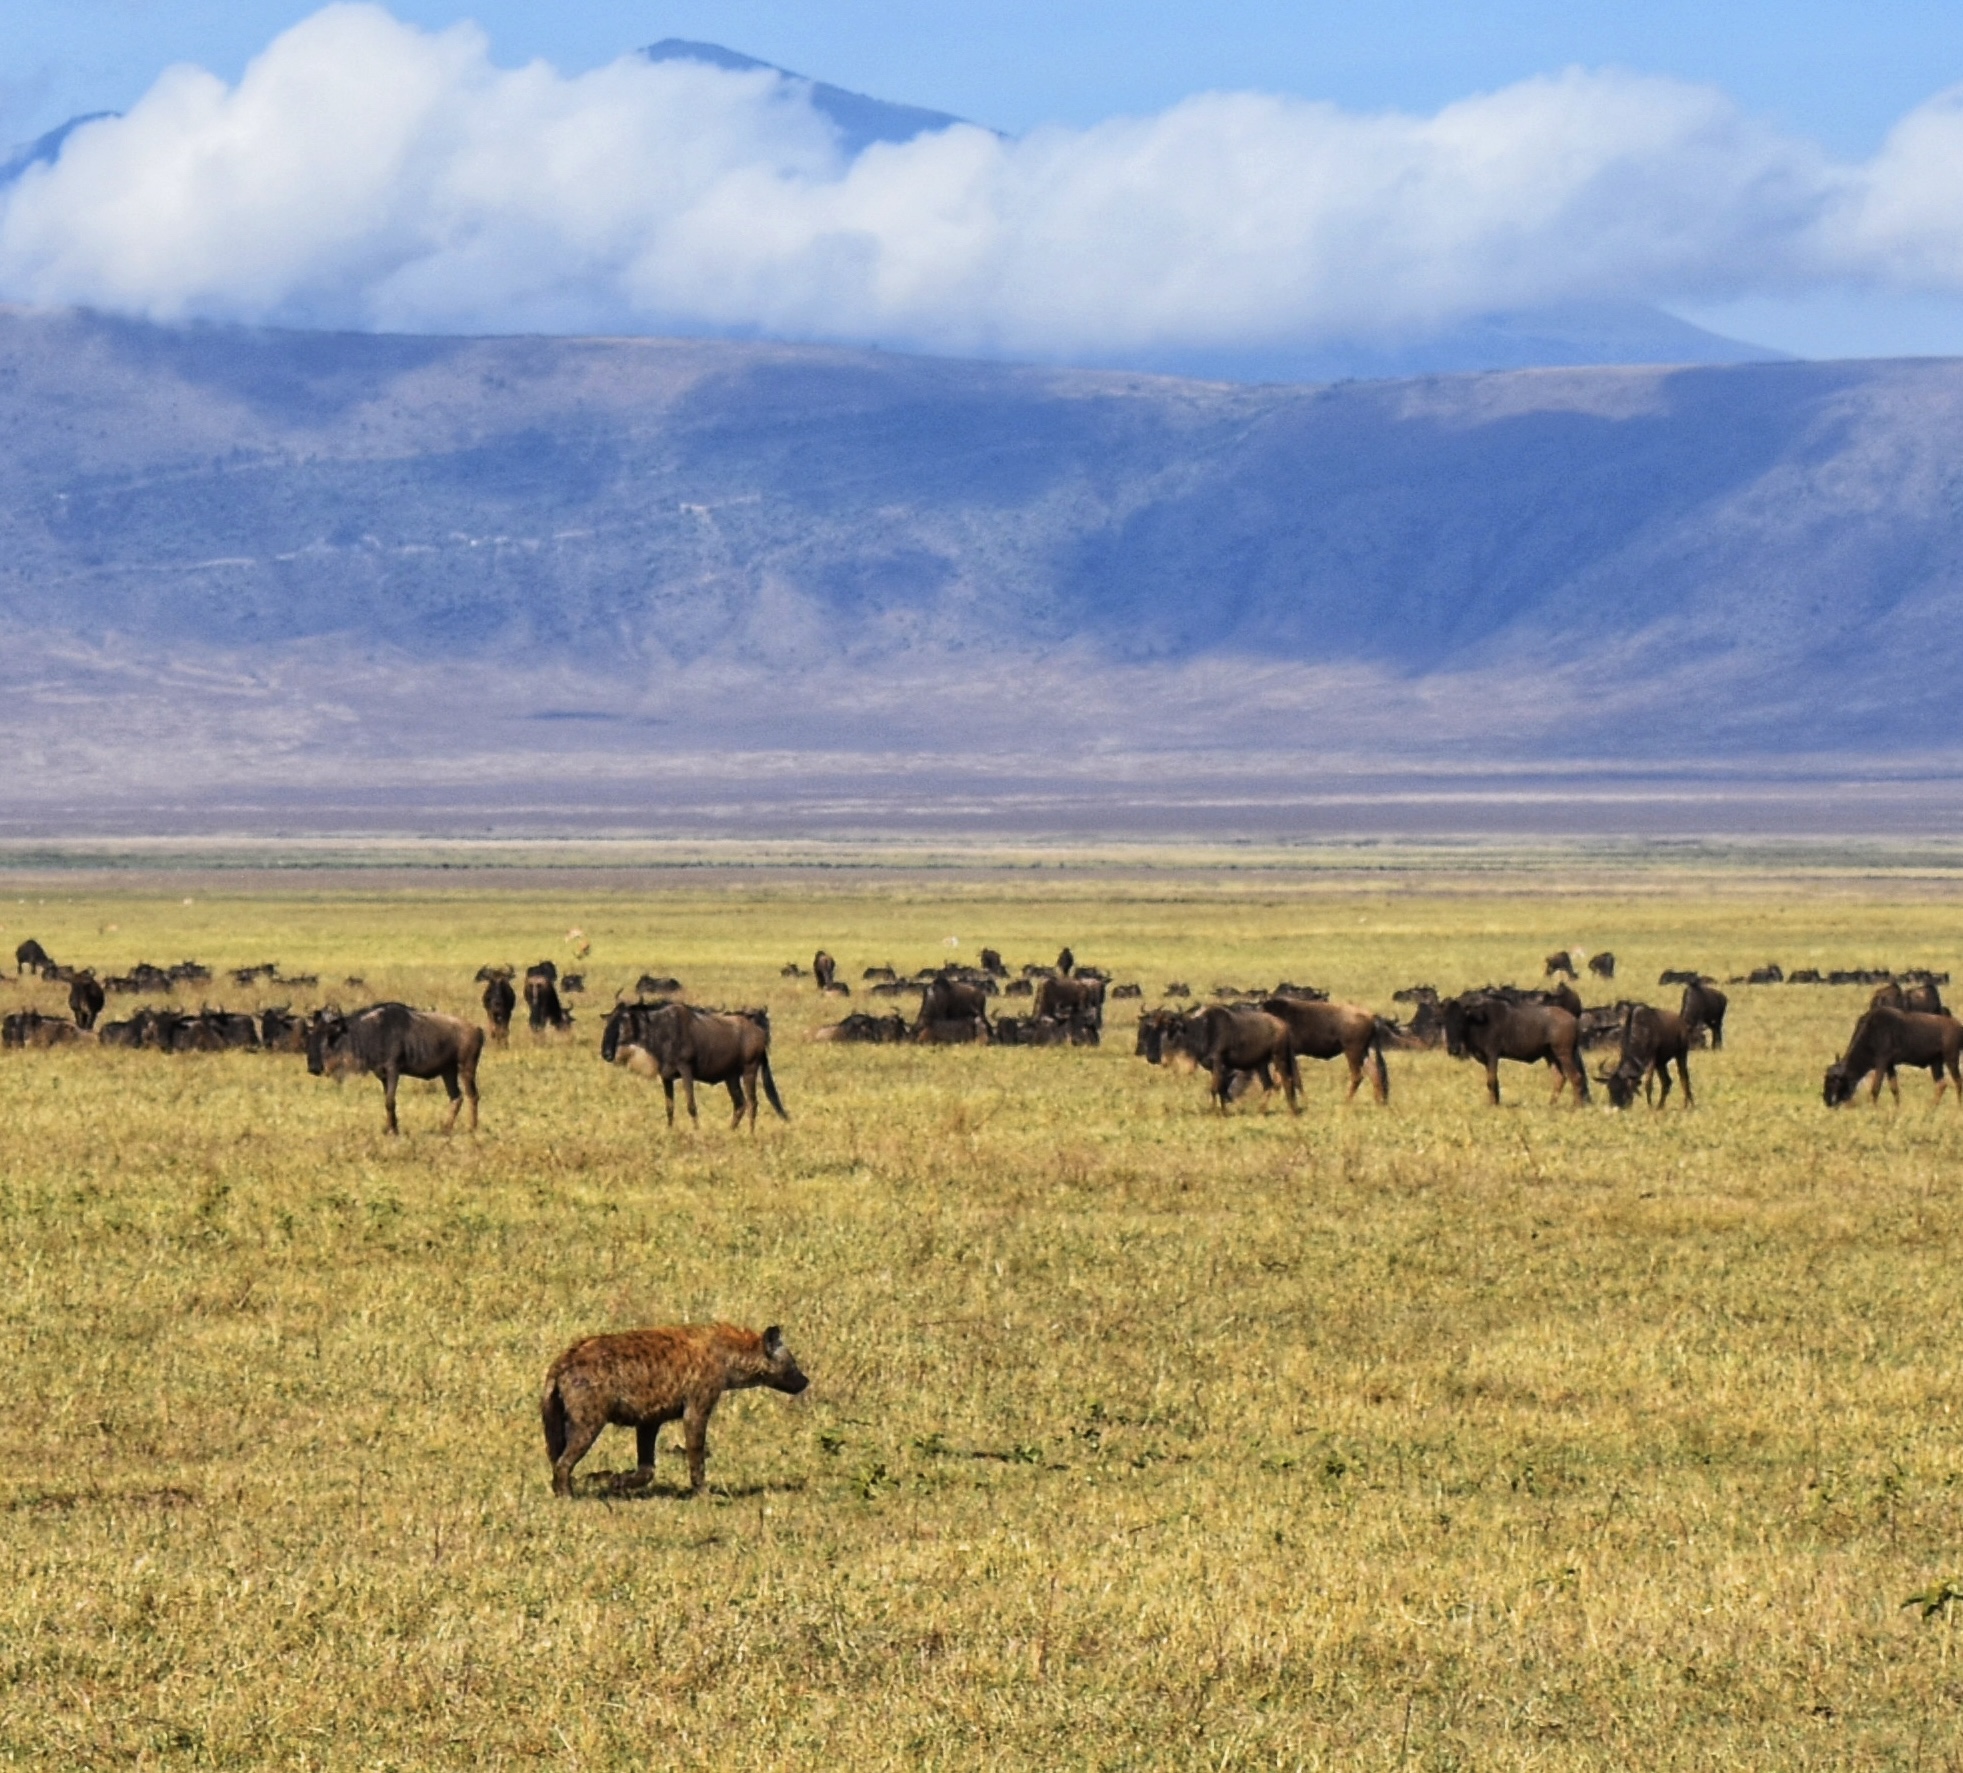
{"type": "Point", "coordinates": [783, 1372]}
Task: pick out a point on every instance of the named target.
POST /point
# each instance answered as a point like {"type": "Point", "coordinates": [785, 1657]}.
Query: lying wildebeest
{"type": "Point", "coordinates": [499, 1002]}
{"type": "Point", "coordinates": [864, 1030]}
{"type": "Point", "coordinates": [1602, 965]}
{"type": "Point", "coordinates": [1704, 1006]}
{"type": "Point", "coordinates": [190, 972]}
{"type": "Point", "coordinates": [1651, 1041]}
{"type": "Point", "coordinates": [1886, 1038]}
{"type": "Point", "coordinates": [31, 955]}
{"type": "Point", "coordinates": [1332, 1030]}
{"type": "Point", "coordinates": [572, 984]}
{"type": "Point", "coordinates": [85, 999]}
{"type": "Point", "coordinates": [1019, 988]}
{"type": "Point", "coordinates": [391, 1041]}
{"type": "Point", "coordinates": [1678, 976]}
{"type": "Point", "coordinates": [1118, 991]}
{"type": "Point", "coordinates": [29, 1028]}
{"type": "Point", "coordinates": [1046, 1031]}
{"type": "Point", "coordinates": [790, 970]}
{"type": "Point", "coordinates": [713, 1047]}
{"type": "Point", "coordinates": [648, 985]}
{"type": "Point", "coordinates": [991, 963]}
{"type": "Point", "coordinates": [209, 1031]}
{"type": "Point", "coordinates": [280, 1031]}
{"type": "Point", "coordinates": [895, 988]}
{"type": "Point", "coordinates": [885, 973]}
{"type": "Point", "coordinates": [1179, 988]}
{"type": "Point", "coordinates": [1224, 1040]}
{"type": "Point", "coordinates": [1805, 976]}
{"type": "Point", "coordinates": [951, 1000]}
{"type": "Point", "coordinates": [1770, 974]}
{"type": "Point", "coordinates": [1064, 999]}
{"type": "Point", "coordinates": [954, 1031]}
{"type": "Point", "coordinates": [640, 1379]}
{"type": "Point", "coordinates": [823, 968]}
{"type": "Point", "coordinates": [548, 1015]}
{"type": "Point", "coordinates": [1308, 993]}
{"type": "Point", "coordinates": [485, 974]}
{"type": "Point", "coordinates": [1490, 1029]}
{"type": "Point", "coordinates": [1560, 961]}
{"type": "Point", "coordinates": [1920, 996]}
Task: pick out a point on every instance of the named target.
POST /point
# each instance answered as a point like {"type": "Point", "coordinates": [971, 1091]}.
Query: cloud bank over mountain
{"type": "Point", "coordinates": [364, 174]}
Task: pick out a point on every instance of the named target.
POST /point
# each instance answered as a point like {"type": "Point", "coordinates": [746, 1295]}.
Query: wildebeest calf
{"type": "Point", "coordinates": [640, 1379]}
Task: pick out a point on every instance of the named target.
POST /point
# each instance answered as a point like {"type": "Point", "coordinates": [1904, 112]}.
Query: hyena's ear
{"type": "Point", "coordinates": [773, 1341]}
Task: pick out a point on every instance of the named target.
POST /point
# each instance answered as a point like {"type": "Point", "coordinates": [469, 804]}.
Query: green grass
{"type": "Point", "coordinates": [1430, 1437]}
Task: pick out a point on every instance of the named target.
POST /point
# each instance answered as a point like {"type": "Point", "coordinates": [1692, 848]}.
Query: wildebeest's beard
{"type": "Point", "coordinates": [329, 1031]}
{"type": "Point", "coordinates": [1839, 1086]}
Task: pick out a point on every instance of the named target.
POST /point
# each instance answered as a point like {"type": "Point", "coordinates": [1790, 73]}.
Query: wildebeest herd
{"type": "Point", "coordinates": [1241, 1038]}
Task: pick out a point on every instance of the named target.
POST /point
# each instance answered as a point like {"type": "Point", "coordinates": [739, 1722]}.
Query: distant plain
{"type": "Point", "coordinates": [1423, 1437]}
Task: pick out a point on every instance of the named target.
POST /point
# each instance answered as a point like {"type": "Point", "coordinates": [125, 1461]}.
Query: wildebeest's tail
{"type": "Point", "coordinates": [552, 1408]}
{"type": "Point", "coordinates": [770, 1090]}
{"type": "Point", "coordinates": [1377, 1053]}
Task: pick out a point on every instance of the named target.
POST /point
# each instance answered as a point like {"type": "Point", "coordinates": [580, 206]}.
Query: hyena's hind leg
{"type": "Point", "coordinates": [580, 1437]}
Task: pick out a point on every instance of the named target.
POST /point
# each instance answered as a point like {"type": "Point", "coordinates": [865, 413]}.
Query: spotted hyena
{"type": "Point", "coordinates": [640, 1379]}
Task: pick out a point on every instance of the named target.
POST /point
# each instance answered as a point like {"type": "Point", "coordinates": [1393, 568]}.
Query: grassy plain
{"type": "Point", "coordinates": [1430, 1437]}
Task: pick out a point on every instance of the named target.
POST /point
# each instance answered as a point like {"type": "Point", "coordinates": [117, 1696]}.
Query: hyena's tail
{"type": "Point", "coordinates": [552, 1409]}
{"type": "Point", "coordinates": [770, 1090]}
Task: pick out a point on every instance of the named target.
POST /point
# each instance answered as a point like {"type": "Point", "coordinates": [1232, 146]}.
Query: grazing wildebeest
{"type": "Point", "coordinates": [641, 1379]}
{"type": "Point", "coordinates": [1885, 1038]}
{"type": "Point", "coordinates": [85, 999]}
{"type": "Point", "coordinates": [1560, 961]}
{"type": "Point", "coordinates": [548, 1015]}
{"type": "Point", "coordinates": [1224, 1040]}
{"type": "Point", "coordinates": [1918, 995]}
{"type": "Point", "coordinates": [391, 1041]}
{"type": "Point", "coordinates": [951, 1000]}
{"type": "Point", "coordinates": [1490, 1029]}
{"type": "Point", "coordinates": [499, 1002]}
{"type": "Point", "coordinates": [824, 969]}
{"type": "Point", "coordinates": [30, 954]}
{"type": "Point", "coordinates": [1332, 1030]}
{"type": "Point", "coordinates": [1651, 1041]}
{"type": "Point", "coordinates": [1602, 965]}
{"type": "Point", "coordinates": [1704, 1006]}
{"type": "Point", "coordinates": [709, 1046]}
{"type": "Point", "coordinates": [1066, 963]}
{"type": "Point", "coordinates": [1062, 999]}
{"type": "Point", "coordinates": [862, 1029]}
{"type": "Point", "coordinates": [991, 963]}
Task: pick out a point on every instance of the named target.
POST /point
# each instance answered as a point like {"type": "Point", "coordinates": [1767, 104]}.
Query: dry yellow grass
{"type": "Point", "coordinates": [1426, 1437]}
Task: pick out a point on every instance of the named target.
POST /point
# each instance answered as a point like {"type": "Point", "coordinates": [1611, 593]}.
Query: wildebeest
{"type": "Point", "coordinates": [1491, 1029]}
{"type": "Point", "coordinates": [954, 1031]}
{"type": "Point", "coordinates": [649, 985]}
{"type": "Point", "coordinates": [1678, 976]}
{"type": "Point", "coordinates": [572, 984]}
{"type": "Point", "coordinates": [1769, 974]}
{"type": "Point", "coordinates": [1019, 988]}
{"type": "Point", "coordinates": [280, 1031]}
{"type": "Point", "coordinates": [1066, 963]}
{"type": "Point", "coordinates": [640, 1379]}
{"type": "Point", "coordinates": [1602, 965]}
{"type": "Point", "coordinates": [391, 1041]}
{"type": "Point", "coordinates": [29, 1028]}
{"type": "Point", "coordinates": [30, 955]}
{"type": "Point", "coordinates": [1118, 991]}
{"type": "Point", "coordinates": [1560, 961]}
{"type": "Point", "coordinates": [885, 973]}
{"type": "Point", "coordinates": [951, 1000]}
{"type": "Point", "coordinates": [824, 969]}
{"type": "Point", "coordinates": [485, 974]}
{"type": "Point", "coordinates": [679, 1041]}
{"type": "Point", "coordinates": [1652, 1040]}
{"type": "Point", "coordinates": [1332, 1030]}
{"type": "Point", "coordinates": [991, 963]}
{"type": "Point", "coordinates": [499, 1002]}
{"type": "Point", "coordinates": [1918, 995]}
{"type": "Point", "coordinates": [548, 1015]}
{"type": "Point", "coordinates": [547, 970]}
{"type": "Point", "coordinates": [1704, 1006]}
{"type": "Point", "coordinates": [1224, 1040]}
{"type": "Point", "coordinates": [85, 999]}
{"type": "Point", "coordinates": [864, 1030]}
{"type": "Point", "coordinates": [1064, 999]}
{"type": "Point", "coordinates": [1885, 1038]}
{"type": "Point", "coordinates": [1046, 1031]}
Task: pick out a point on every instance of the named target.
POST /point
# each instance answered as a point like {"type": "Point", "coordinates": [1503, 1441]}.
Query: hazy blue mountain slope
{"type": "Point", "coordinates": [344, 537]}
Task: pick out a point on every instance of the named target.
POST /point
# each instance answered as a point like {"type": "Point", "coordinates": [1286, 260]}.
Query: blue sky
{"type": "Point", "coordinates": [1827, 76]}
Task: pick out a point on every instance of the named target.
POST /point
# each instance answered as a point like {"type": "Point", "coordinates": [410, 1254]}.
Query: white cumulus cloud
{"type": "Point", "coordinates": [363, 173]}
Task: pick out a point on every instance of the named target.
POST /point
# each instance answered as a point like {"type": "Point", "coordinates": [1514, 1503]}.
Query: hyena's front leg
{"type": "Point", "coordinates": [644, 1436]}
{"type": "Point", "coordinates": [695, 1431]}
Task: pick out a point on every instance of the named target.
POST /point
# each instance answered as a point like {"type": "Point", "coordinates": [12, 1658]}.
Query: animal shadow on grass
{"type": "Point", "coordinates": [635, 1485]}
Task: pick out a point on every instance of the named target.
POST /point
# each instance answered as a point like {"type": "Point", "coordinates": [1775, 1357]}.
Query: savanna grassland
{"type": "Point", "coordinates": [1427, 1437]}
